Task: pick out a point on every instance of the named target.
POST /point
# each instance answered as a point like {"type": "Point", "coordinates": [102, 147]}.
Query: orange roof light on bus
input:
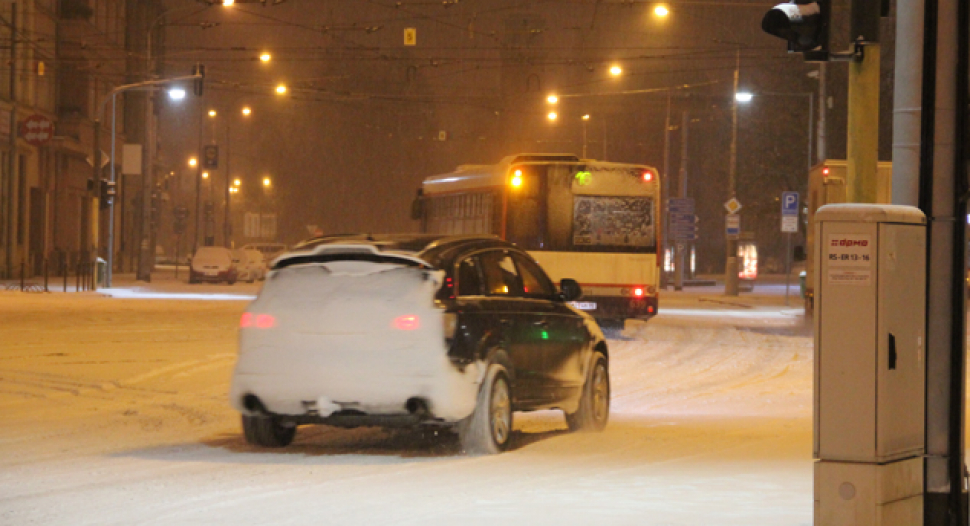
{"type": "Point", "coordinates": [825, 171]}
{"type": "Point", "coordinates": [647, 176]}
{"type": "Point", "coordinates": [516, 178]}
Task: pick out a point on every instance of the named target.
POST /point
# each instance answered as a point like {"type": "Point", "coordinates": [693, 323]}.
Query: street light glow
{"type": "Point", "coordinates": [267, 182]}
{"type": "Point", "coordinates": [743, 96]}
{"type": "Point", "coordinates": [212, 113]}
{"type": "Point", "coordinates": [228, 3]}
{"type": "Point", "coordinates": [661, 11]}
{"type": "Point", "coordinates": [265, 57]}
{"type": "Point", "coordinates": [176, 93]}
{"type": "Point", "coordinates": [193, 161]}
{"type": "Point", "coordinates": [281, 89]}
{"type": "Point", "coordinates": [552, 99]}
{"type": "Point", "coordinates": [236, 182]}
{"type": "Point", "coordinates": [586, 117]}
{"type": "Point", "coordinates": [205, 175]}
{"type": "Point", "coordinates": [552, 116]}
{"type": "Point", "coordinates": [246, 111]}
{"type": "Point", "coordinates": [616, 71]}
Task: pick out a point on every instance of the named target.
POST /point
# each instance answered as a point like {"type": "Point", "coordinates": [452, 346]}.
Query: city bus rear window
{"type": "Point", "coordinates": [618, 222]}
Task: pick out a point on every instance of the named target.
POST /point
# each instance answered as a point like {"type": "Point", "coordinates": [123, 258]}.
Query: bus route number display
{"type": "Point", "coordinates": [613, 221]}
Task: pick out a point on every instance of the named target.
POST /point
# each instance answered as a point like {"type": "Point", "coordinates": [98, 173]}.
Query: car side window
{"type": "Point", "coordinates": [501, 277]}
{"type": "Point", "coordinates": [535, 283]}
{"type": "Point", "coordinates": [469, 278]}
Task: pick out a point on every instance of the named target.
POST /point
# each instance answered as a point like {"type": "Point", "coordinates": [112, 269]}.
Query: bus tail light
{"type": "Point", "coordinates": [516, 180]}
{"type": "Point", "coordinates": [638, 292]}
{"type": "Point", "coordinates": [259, 321]}
{"type": "Point", "coordinates": [647, 176]}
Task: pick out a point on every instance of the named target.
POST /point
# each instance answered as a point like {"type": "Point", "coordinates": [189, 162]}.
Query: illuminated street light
{"type": "Point", "coordinates": [228, 3]}
{"type": "Point", "coordinates": [212, 113]}
{"type": "Point", "coordinates": [661, 11]}
{"type": "Point", "coordinates": [246, 111]}
{"type": "Point", "coordinates": [234, 190]}
{"type": "Point", "coordinates": [552, 99]}
{"type": "Point", "coordinates": [236, 182]}
{"type": "Point", "coordinates": [586, 117]}
{"type": "Point", "coordinates": [176, 93]}
{"type": "Point", "coordinates": [205, 175]}
{"type": "Point", "coordinates": [743, 96]}
{"type": "Point", "coordinates": [265, 57]}
{"type": "Point", "coordinates": [616, 71]}
{"type": "Point", "coordinates": [281, 89]}
{"type": "Point", "coordinates": [267, 182]}
{"type": "Point", "coordinates": [552, 116]}
{"type": "Point", "coordinates": [193, 161]}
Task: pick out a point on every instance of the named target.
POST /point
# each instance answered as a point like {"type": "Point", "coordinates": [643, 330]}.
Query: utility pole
{"type": "Point", "coordinates": [9, 202]}
{"type": "Point", "coordinates": [731, 264]}
{"type": "Point", "coordinates": [682, 183]}
{"type": "Point", "coordinates": [862, 140]}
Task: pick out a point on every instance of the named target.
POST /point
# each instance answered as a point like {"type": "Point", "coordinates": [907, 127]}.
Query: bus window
{"type": "Point", "coordinates": [617, 222]}
{"type": "Point", "coordinates": [526, 212]}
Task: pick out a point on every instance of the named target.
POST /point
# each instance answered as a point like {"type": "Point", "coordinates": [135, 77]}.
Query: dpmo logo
{"type": "Point", "coordinates": [849, 243]}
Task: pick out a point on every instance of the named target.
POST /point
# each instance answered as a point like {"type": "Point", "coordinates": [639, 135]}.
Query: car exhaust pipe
{"type": "Point", "coordinates": [253, 404]}
{"type": "Point", "coordinates": [417, 407]}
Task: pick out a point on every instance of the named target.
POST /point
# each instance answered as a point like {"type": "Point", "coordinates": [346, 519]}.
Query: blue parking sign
{"type": "Point", "coordinates": [789, 203]}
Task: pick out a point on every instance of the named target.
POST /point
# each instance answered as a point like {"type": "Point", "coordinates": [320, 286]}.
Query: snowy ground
{"type": "Point", "coordinates": [115, 412]}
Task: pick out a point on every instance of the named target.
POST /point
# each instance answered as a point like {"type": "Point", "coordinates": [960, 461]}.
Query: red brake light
{"type": "Point", "coordinates": [825, 171]}
{"type": "Point", "coordinates": [246, 320]}
{"type": "Point", "coordinates": [647, 177]}
{"type": "Point", "coordinates": [638, 292]}
{"type": "Point", "coordinates": [408, 322]}
{"type": "Point", "coordinates": [265, 321]}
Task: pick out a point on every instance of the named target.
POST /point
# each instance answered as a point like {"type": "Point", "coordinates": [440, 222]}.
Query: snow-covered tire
{"type": "Point", "coordinates": [267, 431]}
{"type": "Point", "coordinates": [488, 430]}
{"type": "Point", "coordinates": [594, 405]}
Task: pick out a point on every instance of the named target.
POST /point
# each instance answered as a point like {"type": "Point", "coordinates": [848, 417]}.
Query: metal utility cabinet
{"type": "Point", "coordinates": [869, 395]}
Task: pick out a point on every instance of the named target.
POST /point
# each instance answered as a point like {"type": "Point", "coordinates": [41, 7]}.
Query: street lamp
{"type": "Point", "coordinates": [267, 182]}
{"type": "Point", "coordinates": [585, 120]}
{"type": "Point", "coordinates": [281, 89]}
{"type": "Point", "coordinates": [265, 57]}
{"type": "Point", "coordinates": [552, 99]}
{"type": "Point", "coordinates": [193, 161]}
{"type": "Point", "coordinates": [246, 111]}
{"type": "Point", "coordinates": [552, 116]}
{"type": "Point", "coordinates": [743, 96]}
{"type": "Point", "coordinates": [661, 11]}
{"type": "Point", "coordinates": [616, 70]}
{"type": "Point", "coordinates": [176, 93]}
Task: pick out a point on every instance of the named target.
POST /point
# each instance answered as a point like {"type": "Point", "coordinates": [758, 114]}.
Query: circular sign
{"type": "Point", "coordinates": [37, 130]}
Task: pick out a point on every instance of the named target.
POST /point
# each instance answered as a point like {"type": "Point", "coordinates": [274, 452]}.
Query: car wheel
{"type": "Point", "coordinates": [488, 430]}
{"type": "Point", "coordinates": [594, 405]}
{"type": "Point", "coordinates": [267, 431]}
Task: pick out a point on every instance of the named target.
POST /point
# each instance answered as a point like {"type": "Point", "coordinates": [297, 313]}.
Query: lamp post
{"type": "Point", "coordinates": [731, 263]}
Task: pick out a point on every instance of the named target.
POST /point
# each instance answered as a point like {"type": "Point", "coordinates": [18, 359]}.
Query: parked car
{"type": "Point", "coordinates": [212, 264]}
{"type": "Point", "coordinates": [269, 250]}
{"type": "Point", "coordinates": [249, 263]}
{"type": "Point", "coordinates": [397, 330]}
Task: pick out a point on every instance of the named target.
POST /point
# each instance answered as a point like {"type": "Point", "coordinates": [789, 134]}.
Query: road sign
{"type": "Point", "coordinates": [789, 203]}
{"type": "Point", "coordinates": [682, 225]}
{"type": "Point", "coordinates": [37, 130]}
{"type": "Point", "coordinates": [733, 206]}
{"type": "Point", "coordinates": [789, 224]}
{"type": "Point", "coordinates": [732, 226]}
{"type": "Point", "coordinates": [210, 156]}
{"type": "Point", "coordinates": [683, 205]}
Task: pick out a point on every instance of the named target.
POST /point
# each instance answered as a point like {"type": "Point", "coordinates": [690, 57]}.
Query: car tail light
{"type": "Point", "coordinates": [265, 321]}
{"type": "Point", "coordinates": [246, 320]}
{"type": "Point", "coordinates": [408, 322]}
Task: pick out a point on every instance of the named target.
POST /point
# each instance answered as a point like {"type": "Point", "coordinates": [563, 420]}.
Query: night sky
{"type": "Point", "coordinates": [366, 118]}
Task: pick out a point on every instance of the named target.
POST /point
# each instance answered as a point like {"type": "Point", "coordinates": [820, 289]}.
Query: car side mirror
{"type": "Point", "coordinates": [570, 289]}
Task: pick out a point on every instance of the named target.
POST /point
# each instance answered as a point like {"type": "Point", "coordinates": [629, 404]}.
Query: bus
{"type": "Point", "coordinates": [593, 221]}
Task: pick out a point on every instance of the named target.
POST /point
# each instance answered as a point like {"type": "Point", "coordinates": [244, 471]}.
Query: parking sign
{"type": "Point", "coordinates": [789, 212]}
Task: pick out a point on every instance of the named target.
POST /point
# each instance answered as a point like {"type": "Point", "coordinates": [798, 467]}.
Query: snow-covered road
{"type": "Point", "coordinates": [114, 412]}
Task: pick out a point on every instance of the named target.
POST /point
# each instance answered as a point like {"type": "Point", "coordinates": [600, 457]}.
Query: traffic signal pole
{"type": "Point", "coordinates": [862, 138]}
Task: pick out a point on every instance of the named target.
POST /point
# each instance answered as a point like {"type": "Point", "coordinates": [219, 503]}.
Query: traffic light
{"type": "Point", "coordinates": [804, 24]}
{"type": "Point", "coordinates": [199, 84]}
{"type": "Point", "coordinates": [108, 192]}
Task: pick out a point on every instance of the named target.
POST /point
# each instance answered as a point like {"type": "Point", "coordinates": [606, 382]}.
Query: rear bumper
{"type": "Point", "coordinates": [332, 389]}
{"type": "Point", "coordinates": [620, 307]}
{"type": "Point", "coordinates": [222, 276]}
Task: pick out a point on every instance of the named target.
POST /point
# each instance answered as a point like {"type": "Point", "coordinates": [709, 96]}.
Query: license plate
{"type": "Point", "coordinates": [584, 305]}
{"type": "Point", "coordinates": [212, 273]}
